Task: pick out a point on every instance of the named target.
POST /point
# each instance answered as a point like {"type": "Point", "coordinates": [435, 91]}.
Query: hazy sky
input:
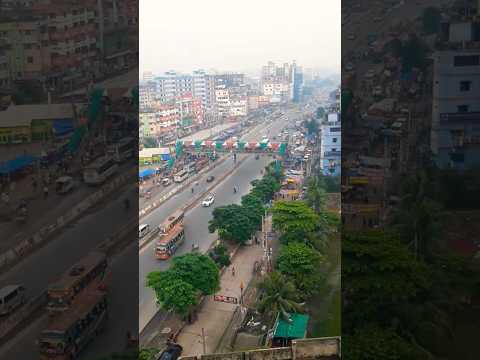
{"type": "Point", "coordinates": [243, 35]}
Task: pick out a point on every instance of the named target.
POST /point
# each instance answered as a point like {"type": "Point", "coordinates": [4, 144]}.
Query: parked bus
{"type": "Point", "coordinates": [91, 270]}
{"type": "Point", "coordinates": [100, 170]}
{"type": "Point", "coordinates": [171, 221]}
{"type": "Point", "coordinates": [169, 243]}
{"type": "Point", "coordinates": [180, 176]}
{"type": "Point", "coordinates": [68, 334]}
{"type": "Point", "coordinates": [123, 150]}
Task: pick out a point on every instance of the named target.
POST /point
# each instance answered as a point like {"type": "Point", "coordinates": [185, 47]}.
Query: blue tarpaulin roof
{"type": "Point", "coordinates": [62, 127]}
{"type": "Point", "coordinates": [18, 163]}
{"type": "Point", "coordinates": [146, 172]}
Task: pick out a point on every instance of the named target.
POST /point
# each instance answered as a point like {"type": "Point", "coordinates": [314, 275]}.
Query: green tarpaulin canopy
{"type": "Point", "coordinates": [295, 329]}
{"type": "Point", "coordinates": [179, 148]}
{"type": "Point", "coordinates": [95, 104]}
{"type": "Point", "coordinates": [76, 138]}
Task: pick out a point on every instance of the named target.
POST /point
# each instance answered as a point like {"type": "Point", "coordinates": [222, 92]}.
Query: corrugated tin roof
{"type": "Point", "coordinates": [22, 115]}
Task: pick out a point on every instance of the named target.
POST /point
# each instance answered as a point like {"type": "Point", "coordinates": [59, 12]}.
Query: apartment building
{"type": "Point", "coordinates": [222, 100]}
{"type": "Point", "coordinates": [455, 133]}
{"type": "Point", "coordinates": [21, 49]}
{"type": "Point", "coordinates": [331, 145]}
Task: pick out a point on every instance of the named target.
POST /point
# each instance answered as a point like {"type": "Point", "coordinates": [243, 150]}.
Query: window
{"type": "Point", "coordinates": [30, 59]}
{"type": "Point", "coordinates": [466, 60]}
{"type": "Point", "coordinates": [465, 85]}
{"type": "Point", "coordinates": [334, 140]}
{"type": "Point", "coordinates": [462, 108]}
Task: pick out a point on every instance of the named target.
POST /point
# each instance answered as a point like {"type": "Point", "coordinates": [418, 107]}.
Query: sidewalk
{"type": "Point", "coordinates": [214, 317]}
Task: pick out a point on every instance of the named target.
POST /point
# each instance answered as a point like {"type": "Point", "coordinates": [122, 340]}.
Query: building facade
{"type": "Point", "coordinates": [455, 133]}
{"type": "Point", "coordinates": [331, 145]}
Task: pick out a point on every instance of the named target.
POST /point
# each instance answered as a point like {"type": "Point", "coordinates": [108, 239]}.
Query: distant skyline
{"type": "Point", "coordinates": [188, 35]}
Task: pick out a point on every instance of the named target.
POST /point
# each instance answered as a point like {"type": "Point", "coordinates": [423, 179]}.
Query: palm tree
{"type": "Point", "coordinates": [279, 296]}
{"type": "Point", "coordinates": [418, 216]}
{"type": "Point", "coordinates": [316, 193]}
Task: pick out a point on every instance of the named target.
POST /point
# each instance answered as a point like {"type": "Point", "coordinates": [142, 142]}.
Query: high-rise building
{"type": "Point", "coordinates": [455, 135]}
{"type": "Point", "coordinates": [331, 145]}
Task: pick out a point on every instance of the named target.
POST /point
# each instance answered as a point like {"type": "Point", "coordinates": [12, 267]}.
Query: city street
{"type": "Point", "coordinates": [83, 235]}
{"type": "Point", "coordinates": [196, 220]}
{"type": "Point", "coordinates": [123, 316]}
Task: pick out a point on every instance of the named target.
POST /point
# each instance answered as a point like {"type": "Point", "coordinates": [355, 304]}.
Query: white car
{"type": "Point", "coordinates": [209, 200]}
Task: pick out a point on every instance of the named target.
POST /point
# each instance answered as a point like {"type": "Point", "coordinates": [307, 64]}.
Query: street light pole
{"type": "Point", "coordinates": [203, 342]}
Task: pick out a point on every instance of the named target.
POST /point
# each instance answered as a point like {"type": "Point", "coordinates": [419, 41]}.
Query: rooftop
{"type": "Point", "coordinates": [22, 115]}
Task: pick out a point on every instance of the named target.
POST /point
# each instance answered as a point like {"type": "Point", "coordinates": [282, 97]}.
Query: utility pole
{"type": "Point", "coordinates": [203, 342]}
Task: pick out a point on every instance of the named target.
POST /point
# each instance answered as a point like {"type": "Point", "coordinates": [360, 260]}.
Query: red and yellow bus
{"type": "Point", "coordinates": [171, 237]}
{"type": "Point", "coordinates": [69, 333]}
{"type": "Point", "coordinates": [90, 272]}
{"type": "Point", "coordinates": [169, 243]}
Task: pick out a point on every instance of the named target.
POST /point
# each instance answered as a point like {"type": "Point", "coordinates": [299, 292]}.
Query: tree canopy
{"type": "Point", "coordinates": [374, 343]}
{"type": "Point", "coordinates": [233, 222]}
{"type": "Point", "coordinates": [294, 219]}
{"type": "Point", "coordinates": [278, 296]}
{"type": "Point", "coordinates": [380, 273]}
{"type": "Point", "coordinates": [172, 291]}
{"type": "Point", "coordinates": [301, 264]}
{"type": "Point", "coordinates": [431, 19]}
{"type": "Point", "coordinates": [179, 287]}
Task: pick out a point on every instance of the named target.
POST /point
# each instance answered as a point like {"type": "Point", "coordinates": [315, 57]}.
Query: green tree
{"type": "Point", "coordinates": [301, 264]}
{"type": "Point", "coordinates": [413, 54]}
{"type": "Point", "coordinates": [254, 208]}
{"type": "Point", "coordinates": [278, 296]}
{"type": "Point", "coordinates": [172, 291]}
{"type": "Point", "coordinates": [431, 19]}
{"type": "Point", "coordinates": [418, 217]}
{"type": "Point", "coordinates": [220, 255]}
{"type": "Point", "coordinates": [294, 219]}
{"type": "Point", "coordinates": [150, 142]}
{"type": "Point", "coordinates": [199, 271]}
{"type": "Point", "coordinates": [371, 342]}
{"type": "Point", "coordinates": [379, 274]}
{"type": "Point", "coordinates": [233, 222]}
{"type": "Point", "coordinates": [315, 195]}
{"type": "Point", "coordinates": [265, 188]}
{"type": "Point", "coordinates": [312, 126]}
{"type": "Point", "coordinates": [320, 113]}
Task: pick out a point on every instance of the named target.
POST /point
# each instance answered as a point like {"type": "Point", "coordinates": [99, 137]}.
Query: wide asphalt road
{"type": "Point", "coordinates": [75, 242]}
{"type": "Point", "coordinates": [123, 316]}
{"type": "Point", "coordinates": [196, 219]}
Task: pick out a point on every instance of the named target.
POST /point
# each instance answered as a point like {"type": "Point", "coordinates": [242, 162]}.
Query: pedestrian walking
{"type": "Point", "coordinates": [233, 271]}
{"type": "Point", "coordinates": [34, 185]}
{"type": "Point", "coordinates": [45, 191]}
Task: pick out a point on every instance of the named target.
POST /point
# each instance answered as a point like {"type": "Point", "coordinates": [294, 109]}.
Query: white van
{"type": "Point", "coordinates": [143, 230]}
{"type": "Point", "coordinates": [11, 297]}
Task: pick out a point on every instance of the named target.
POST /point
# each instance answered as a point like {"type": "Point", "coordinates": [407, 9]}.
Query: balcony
{"type": "Point", "coordinates": [449, 118]}
{"type": "Point", "coordinates": [330, 154]}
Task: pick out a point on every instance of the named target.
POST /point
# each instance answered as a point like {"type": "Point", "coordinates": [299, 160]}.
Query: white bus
{"type": "Point", "coordinates": [123, 150]}
{"type": "Point", "coordinates": [100, 170]}
{"type": "Point", "coordinates": [180, 176]}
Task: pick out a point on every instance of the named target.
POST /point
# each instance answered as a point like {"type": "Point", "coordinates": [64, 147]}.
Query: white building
{"type": "Point", "coordinates": [331, 145]}
{"type": "Point", "coordinates": [222, 99]}
{"type": "Point", "coordinates": [455, 132]}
